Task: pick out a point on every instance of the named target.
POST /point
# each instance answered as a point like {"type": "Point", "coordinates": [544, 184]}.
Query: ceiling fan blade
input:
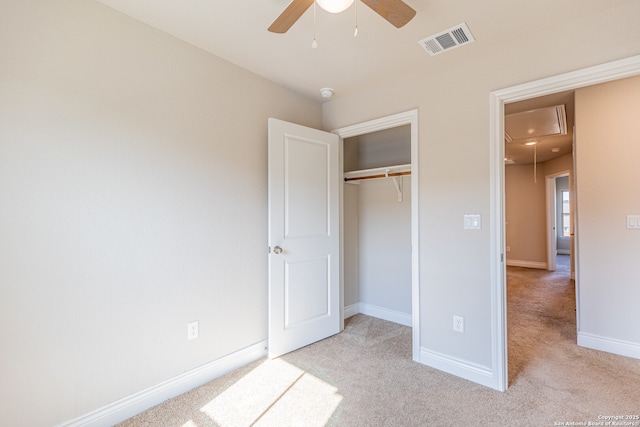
{"type": "Point", "coordinates": [397, 12]}
{"type": "Point", "coordinates": [289, 16]}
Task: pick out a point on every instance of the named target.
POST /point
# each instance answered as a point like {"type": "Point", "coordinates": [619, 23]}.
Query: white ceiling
{"type": "Point", "coordinates": [236, 30]}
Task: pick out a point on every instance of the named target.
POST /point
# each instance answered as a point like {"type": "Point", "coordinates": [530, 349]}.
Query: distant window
{"type": "Point", "coordinates": [566, 214]}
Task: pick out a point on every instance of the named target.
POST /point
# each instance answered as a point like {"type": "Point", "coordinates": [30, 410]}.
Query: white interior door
{"type": "Point", "coordinates": [304, 241]}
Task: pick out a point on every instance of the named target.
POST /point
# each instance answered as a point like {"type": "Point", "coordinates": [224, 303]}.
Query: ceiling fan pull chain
{"type": "Point", "coordinates": [314, 44]}
{"type": "Point", "coordinates": [535, 164]}
{"type": "Point", "coordinates": [355, 33]}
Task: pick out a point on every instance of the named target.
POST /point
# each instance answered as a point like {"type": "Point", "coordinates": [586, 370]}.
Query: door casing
{"type": "Point", "coordinates": [550, 195]}
{"type": "Point", "coordinates": [607, 72]}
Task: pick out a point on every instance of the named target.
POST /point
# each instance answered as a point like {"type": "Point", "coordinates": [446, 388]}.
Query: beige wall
{"type": "Point", "coordinates": [133, 195]}
{"type": "Point", "coordinates": [385, 245]}
{"type": "Point", "coordinates": [351, 244]}
{"type": "Point", "coordinates": [133, 199]}
{"type": "Point", "coordinates": [608, 148]}
{"type": "Point", "coordinates": [525, 215]}
{"type": "Point", "coordinates": [526, 211]}
{"type": "Point", "coordinates": [452, 95]}
{"type": "Point", "coordinates": [561, 164]}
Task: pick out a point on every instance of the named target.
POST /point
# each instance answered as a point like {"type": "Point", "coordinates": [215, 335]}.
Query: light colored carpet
{"type": "Point", "coordinates": [365, 377]}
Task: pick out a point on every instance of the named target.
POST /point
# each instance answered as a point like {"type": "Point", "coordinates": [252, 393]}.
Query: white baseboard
{"type": "Point", "coordinates": [379, 312]}
{"type": "Point", "coordinates": [386, 314]}
{"type": "Point", "coordinates": [458, 367]}
{"type": "Point", "coordinates": [129, 406]}
{"type": "Point", "coordinates": [527, 264]}
{"type": "Point", "coordinates": [351, 310]}
{"type": "Point", "coordinates": [610, 345]}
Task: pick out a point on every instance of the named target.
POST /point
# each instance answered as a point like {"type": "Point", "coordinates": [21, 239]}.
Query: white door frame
{"type": "Point", "coordinates": [615, 70]}
{"type": "Point", "coordinates": [552, 215]}
{"type": "Point", "coordinates": [400, 119]}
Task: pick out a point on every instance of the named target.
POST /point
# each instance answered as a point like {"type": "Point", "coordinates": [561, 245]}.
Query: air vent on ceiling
{"type": "Point", "coordinates": [450, 39]}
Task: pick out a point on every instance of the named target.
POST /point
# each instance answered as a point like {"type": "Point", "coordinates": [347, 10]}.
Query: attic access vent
{"type": "Point", "coordinates": [450, 39]}
{"type": "Point", "coordinates": [547, 121]}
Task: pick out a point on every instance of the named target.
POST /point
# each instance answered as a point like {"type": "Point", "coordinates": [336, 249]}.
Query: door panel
{"type": "Point", "coordinates": [306, 291]}
{"type": "Point", "coordinates": [307, 164]}
{"type": "Point", "coordinates": [304, 278]}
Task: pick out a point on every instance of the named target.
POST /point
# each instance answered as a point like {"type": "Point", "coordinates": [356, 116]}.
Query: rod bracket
{"type": "Point", "coordinates": [397, 182]}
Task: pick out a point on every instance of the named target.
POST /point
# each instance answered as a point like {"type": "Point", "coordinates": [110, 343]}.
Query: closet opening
{"type": "Point", "coordinates": [379, 221]}
{"type": "Point", "coordinates": [377, 224]}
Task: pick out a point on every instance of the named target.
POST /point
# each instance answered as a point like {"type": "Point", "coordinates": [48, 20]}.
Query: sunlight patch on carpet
{"type": "Point", "coordinates": [275, 393]}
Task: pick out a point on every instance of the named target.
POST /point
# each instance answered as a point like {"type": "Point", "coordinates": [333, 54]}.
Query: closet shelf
{"type": "Point", "coordinates": [383, 172]}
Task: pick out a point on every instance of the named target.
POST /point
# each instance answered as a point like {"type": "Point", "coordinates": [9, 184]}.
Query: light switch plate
{"type": "Point", "coordinates": [472, 222]}
{"type": "Point", "coordinates": [633, 221]}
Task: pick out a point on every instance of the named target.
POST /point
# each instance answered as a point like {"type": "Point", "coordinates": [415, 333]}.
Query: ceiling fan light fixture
{"type": "Point", "coordinates": [335, 6]}
{"type": "Point", "coordinates": [395, 12]}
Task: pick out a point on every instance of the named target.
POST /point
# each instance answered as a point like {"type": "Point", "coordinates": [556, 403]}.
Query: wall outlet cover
{"type": "Point", "coordinates": [458, 324]}
{"type": "Point", "coordinates": [192, 330]}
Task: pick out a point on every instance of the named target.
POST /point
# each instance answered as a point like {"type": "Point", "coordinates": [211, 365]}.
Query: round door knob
{"type": "Point", "coordinates": [277, 250]}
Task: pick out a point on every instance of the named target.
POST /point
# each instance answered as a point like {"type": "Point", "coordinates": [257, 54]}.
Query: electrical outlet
{"type": "Point", "coordinates": [192, 330]}
{"type": "Point", "coordinates": [458, 324]}
{"type": "Point", "coordinates": [508, 248]}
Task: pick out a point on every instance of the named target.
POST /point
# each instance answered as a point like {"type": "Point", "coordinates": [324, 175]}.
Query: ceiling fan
{"type": "Point", "coordinates": [396, 12]}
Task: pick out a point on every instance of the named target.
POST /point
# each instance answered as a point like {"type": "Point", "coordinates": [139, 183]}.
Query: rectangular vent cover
{"type": "Point", "coordinates": [546, 121]}
{"type": "Point", "coordinates": [446, 40]}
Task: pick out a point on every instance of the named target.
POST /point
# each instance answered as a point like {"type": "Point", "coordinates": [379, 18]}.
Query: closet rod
{"type": "Point", "coordinates": [382, 175]}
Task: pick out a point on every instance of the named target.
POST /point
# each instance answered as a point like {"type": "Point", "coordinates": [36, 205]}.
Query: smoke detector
{"type": "Point", "coordinates": [326, 92]}
{"type": "Point", "coordinates": [452, 38]}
